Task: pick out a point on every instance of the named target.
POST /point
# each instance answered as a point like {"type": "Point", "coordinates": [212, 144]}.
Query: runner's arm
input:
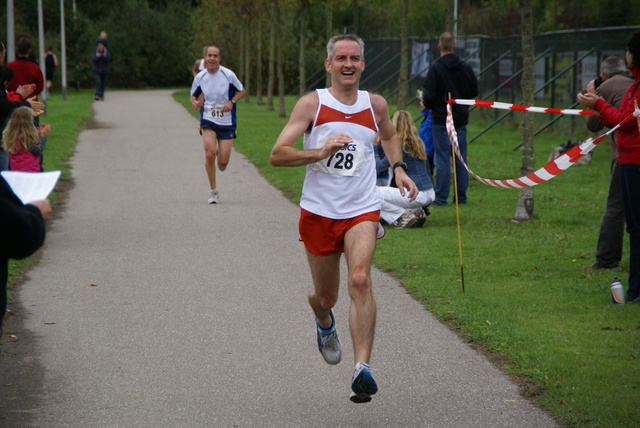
{"type": "Point", "coordinates": [283, 152]}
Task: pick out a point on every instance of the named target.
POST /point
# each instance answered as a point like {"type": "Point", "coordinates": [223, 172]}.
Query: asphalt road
{"type": "Point", "coordinates": [149, 307]}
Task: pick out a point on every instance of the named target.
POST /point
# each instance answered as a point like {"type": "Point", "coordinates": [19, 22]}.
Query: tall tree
{"type": "Point", "coordinates": [247, 60]}
{"type": "Point", "coordinates": [280, 65]}
{"type": "Point", "coordinates": [524, 211]}
{"type": "Point", "coordinates": [259, 62]}
{"type": "Point", "coordinates": [272, 57]}
{"type": "Point", "coordinates": [329, 29]}
{"type": "Point", "coordinates": [403, 83]}
{"type": "Point", "coordinates": [302, 76]}
{"type": "Point", "coordinates": [356, 16]}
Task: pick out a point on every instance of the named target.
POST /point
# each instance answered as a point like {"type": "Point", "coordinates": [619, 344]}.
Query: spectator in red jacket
{"type": "Point", "coordinates": [26, 72]}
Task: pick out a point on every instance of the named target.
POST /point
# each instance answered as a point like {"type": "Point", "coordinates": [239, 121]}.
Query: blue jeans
{"type": "Point", "coordinates": [630, 186]}
{"type": "Point", "coordinates": [442, 160]}
{"type": "Point", "coordinates": [4, 160]}
{"type": "Point", "coordinates": [101, 83]}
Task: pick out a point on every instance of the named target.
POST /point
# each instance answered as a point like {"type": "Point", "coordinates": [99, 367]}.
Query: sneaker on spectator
{"type": "Point", "coordinates": [214, 197]}
{"type": "Point", "coordinates": [408, 219]}
{"type": "Point", "coordinates": [328, 342]}
{"type": "Point", "coordinates": [362, 384]}
{"type": "Point", "coordinates": [421, 218]}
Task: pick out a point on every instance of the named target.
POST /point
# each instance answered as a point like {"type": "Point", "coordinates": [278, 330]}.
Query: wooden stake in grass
{"type": "Point", "coordinates": [455, 193]}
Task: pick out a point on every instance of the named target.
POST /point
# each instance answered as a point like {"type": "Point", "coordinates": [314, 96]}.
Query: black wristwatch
{"type": "Point", "coordinates": [401, 165]}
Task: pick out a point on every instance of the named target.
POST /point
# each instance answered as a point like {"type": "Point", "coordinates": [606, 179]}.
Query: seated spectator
{"type": "Point", "coordinates": [22, 230]}
{"type": "Point", "coordinates": [397, 209]}
{"type": "Point", "coordinates": [382, 165]}
{"type": "Point", "coordinates": [425, 132]}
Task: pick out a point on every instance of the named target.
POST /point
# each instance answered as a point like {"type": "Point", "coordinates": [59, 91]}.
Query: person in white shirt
{"type": "Point", "coordinates": [340, 204]}
{"type": "Point", "coordinates": [221, 89]}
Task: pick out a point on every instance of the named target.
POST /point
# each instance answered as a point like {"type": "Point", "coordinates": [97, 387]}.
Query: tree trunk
{"type": "Point", "coordinates": [301, 51]}
{"type": "Point", "coordinates": [247, 63]}
{"type": "Point", "coordinates": [525, 198]}
{"type": "Point", "coordinates": [259, 64]}
{"type": "Point", "coordinates": [329, 35]}
{"type": "Point", "coordinates": [272, 58]}
{"type": "Point", "coordinates": [280, 66]}
{"type": "Point", "coordinates": [403, 84]}
{"type": "Point", "coordinates": [356, 16]}
{"type": "Point", "coordinates": [449, 14]}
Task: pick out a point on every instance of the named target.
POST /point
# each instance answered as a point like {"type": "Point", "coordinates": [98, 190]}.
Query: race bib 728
{"type": "Point", "coordinates": [346, 161]}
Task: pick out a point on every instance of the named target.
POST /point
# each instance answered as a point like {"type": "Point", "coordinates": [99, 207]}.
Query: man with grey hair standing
{"type": "Point", "coordinates": [340, 203]}
{"type": "Point", "coordinates": [611, 85]}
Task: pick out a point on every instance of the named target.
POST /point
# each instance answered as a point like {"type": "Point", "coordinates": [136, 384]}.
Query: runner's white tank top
{"type": "Point", "coordinates": [343, 185]}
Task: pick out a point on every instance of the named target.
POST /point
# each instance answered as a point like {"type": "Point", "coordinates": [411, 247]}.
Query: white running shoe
{"type": "Point", "coordinates": [328, 342]}
{"type": "Point", "coordinates": [214, 197]}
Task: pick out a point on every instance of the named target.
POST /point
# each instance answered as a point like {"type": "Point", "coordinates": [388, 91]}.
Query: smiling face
{"type": "Point", "coordinates": [212, 59]}
{"type": "Point", "coordinates": [346, 64]}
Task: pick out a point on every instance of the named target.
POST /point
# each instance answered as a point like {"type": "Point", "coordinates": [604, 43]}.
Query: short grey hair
{"type": "Point", "coordinates": [612, 65]}
{"type": "Point", "coordinates": [341, 37]}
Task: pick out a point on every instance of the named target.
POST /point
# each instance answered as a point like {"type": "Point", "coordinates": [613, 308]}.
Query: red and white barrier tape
{"type": "Point", "coordinates": [547, 172]}
{"type": "Point", "coordinates": [517, 107]}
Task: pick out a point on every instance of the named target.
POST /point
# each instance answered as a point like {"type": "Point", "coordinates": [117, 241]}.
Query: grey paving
{"type": "Point", "coordinates": [150, 308]}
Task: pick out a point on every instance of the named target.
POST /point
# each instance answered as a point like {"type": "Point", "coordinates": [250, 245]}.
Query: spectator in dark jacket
{"type": "Point", "coordinates": [22, 231]}
{"type": "Point", "coordinates": [100, 58]}
{"type": "Point", "coordinates": [449, 75]}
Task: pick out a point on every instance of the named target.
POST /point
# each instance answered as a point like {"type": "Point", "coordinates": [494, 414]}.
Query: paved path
{"type": "Point", "coordinates": [150, 308]}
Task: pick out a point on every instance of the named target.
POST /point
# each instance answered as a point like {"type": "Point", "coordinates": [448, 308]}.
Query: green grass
{"type": "Point", "coordinates": [66, 118]}
{"type": "Point", "coordinates": [527, 296]}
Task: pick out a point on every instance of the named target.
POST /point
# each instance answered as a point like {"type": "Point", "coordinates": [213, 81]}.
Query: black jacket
{"type": "Point", "coordinates": [449, 75]}
{"type": "Point", "coordinates": [21, 234]}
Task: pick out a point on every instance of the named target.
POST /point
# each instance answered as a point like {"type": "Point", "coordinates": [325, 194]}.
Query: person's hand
{"type": "Point", "coordinates": [44, 129]}
{"type": "Point", "coordinates": [228, 106]}
{"type": "Point", "coordinates": [334, 144]}
{"type": "Point", "coordinates": [25, 90]}
{"type": "Point", "coordinates": [591, 87]}
{"type": "Point", "coordinates": [404, 184]}
{"type": "Point", "coordinates": [44, 207]}
{"type": "Point", "coordinates": [36, 106]}
{"type": "Point", "coordinates": [196, 104]}
{"type": "Point", "coordinates": [588, 100]}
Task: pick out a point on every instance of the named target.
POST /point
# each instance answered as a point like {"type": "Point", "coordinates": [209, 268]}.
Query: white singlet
{"type": "Point", "coordinates": [218, 88]}
{"type": "Point", "coordinates": [343, 185]}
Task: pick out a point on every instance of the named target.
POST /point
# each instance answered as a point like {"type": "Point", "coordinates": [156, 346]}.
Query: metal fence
{"type": "Point", "coordinates": [565, 62]}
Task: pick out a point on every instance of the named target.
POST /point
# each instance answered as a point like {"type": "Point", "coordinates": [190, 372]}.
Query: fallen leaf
{"type": "Point", "coordinates": [488, 322]}
{"type": "Point", "coordinates": [93, 285]}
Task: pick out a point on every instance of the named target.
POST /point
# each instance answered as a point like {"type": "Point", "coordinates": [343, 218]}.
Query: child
{"type": "Point", "coordinates": [23, 141]}
{"type": "Point", "coordinates": [102, 38]}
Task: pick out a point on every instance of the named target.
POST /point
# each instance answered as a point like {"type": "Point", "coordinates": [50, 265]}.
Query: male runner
{"type": "Point", "coordinates": [221, 89]}
{"type": "Point", "coordinates": [340, 204]}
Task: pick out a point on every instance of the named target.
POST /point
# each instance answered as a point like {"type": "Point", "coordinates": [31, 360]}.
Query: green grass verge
{"type": "Point", "coordinates": [527, 296]}
{"type": "Point", "coordinates": [66, 118]}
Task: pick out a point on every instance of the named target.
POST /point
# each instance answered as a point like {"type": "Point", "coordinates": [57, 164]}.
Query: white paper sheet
{"type": "Point", "coordinates": [31, 186]}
